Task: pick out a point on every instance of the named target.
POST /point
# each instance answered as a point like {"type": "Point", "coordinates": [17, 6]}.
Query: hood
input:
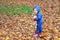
{"type": "Point", "coordinates": [37, 7]}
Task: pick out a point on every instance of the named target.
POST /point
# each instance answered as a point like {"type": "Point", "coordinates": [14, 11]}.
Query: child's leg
{"type": "Point", "coordinates": [40, 29]}
{"type": "Point", "coordinates": [37, 30]}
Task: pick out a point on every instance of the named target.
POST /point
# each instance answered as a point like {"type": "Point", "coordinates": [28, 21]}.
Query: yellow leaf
{"type": "Point", "coordinates": [58, 38]}
{"type": "Point", "coordinates": [7, 38]}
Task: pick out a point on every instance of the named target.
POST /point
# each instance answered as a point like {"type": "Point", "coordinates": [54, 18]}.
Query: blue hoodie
{"type": "Point", "coordinates": [38, 19]}
{"type": "Point", "coordinates": [39, 15]}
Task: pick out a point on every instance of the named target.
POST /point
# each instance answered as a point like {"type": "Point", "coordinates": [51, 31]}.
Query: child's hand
{"type": "Point", "coordinates": [34, 17]}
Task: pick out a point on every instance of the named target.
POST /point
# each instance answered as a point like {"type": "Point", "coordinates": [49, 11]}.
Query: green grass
{"type": "Point", "coordinates": [15, 9]}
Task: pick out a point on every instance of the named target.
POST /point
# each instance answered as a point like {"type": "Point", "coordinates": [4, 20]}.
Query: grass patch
{"type": "Point", "coordinates": [15, 9]}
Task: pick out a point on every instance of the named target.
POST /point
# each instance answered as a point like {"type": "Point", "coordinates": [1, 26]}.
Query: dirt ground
{"type": "Point", "coordinates": [19, 27]}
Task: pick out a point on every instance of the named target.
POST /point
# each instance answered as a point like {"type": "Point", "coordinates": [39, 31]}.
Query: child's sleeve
{"type": "Point", "coordinates": [39, 17]}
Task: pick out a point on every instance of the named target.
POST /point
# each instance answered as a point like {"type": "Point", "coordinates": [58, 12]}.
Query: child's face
{"type": "Point", "coordinates": [35, 11]}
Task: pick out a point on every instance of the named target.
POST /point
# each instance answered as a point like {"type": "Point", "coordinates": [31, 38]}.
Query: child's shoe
{"type": "Point", "coordinates": [35, 35]}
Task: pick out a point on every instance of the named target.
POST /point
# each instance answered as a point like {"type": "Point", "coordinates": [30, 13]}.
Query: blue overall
{"type": "Point", "coordinates": [38, 19]}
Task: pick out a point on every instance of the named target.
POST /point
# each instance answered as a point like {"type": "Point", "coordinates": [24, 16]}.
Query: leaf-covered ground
{"type": "Point", "coordinates": [21, 27]}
